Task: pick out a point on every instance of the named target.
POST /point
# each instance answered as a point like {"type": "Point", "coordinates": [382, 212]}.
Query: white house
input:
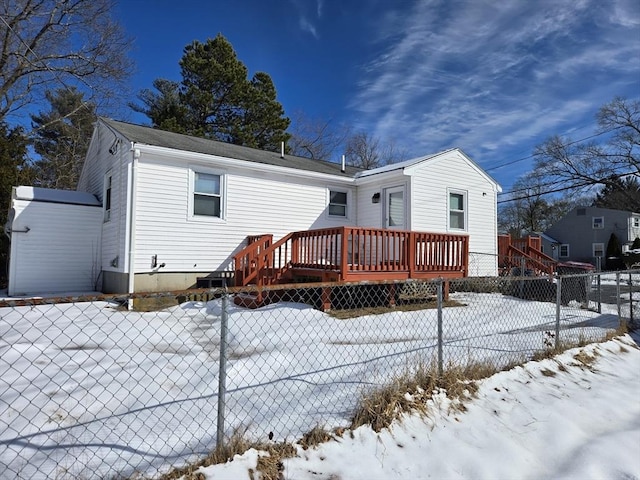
{"type": "Point", "coordinates": [175, 207]}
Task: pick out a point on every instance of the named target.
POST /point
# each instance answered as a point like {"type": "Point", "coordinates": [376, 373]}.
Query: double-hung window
{"type": "Point", "coordinates": [598, 223]}
{"type": "Point", "coordinates": [337, 203]}
{"type": "Point", "coordinates": [598, 250]}
{"type": "Point", "coordinates": [108, 182]}
{"type": "Point", "coordinates": [457, 210]}
{"type": "Point", "coordinates": [564, 250]}
{"type": "Point", "coordinates": [207, 194]}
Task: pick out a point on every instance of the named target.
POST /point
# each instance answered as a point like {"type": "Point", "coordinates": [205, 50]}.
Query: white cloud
{"type": "Point", "coordinates": [488, 77]}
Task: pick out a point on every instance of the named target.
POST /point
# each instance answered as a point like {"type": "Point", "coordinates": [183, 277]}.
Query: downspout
{"type": "Point", "coordinates": [132, 219]}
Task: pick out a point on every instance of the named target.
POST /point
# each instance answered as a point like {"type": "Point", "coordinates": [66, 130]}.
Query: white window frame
{"type": "Point", "coordinates": [599, 246]}
{"type": "Point", "coordinates": [107, 196]}
{"type": "Point", "coordinates": [346, 205]}
{"type": "Point", "coordinates": [567, 253]}
{"type": "Point", "coordinates": [193, 170]}
{"type": "Point", "coordinates": [465, 210]}
{"type": "Point", "coordinates": [635, 222]}
{"type": "Point", "coordinates": [597, 220]}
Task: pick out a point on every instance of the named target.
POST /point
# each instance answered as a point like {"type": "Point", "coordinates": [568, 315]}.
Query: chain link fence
{"type": "Point", "coordinates": [90, 388]}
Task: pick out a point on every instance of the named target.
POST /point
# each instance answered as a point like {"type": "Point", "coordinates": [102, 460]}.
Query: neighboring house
{"type": "Point", "coordinates": [176, 207]}
{"type": "Point", "coordinates": [583, 234]}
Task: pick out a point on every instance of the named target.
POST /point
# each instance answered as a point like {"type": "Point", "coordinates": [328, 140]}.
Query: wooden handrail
{"type": "Point", "coordinates": [351, 251]}
{"type": "Point", "coordinates": [245, 261]}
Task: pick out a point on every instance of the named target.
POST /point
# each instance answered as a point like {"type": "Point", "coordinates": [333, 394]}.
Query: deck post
{"type": "Point", "coordinates": [344, 252]}
{"type": "Point", "coordinates": [413, 246]}
{"type": "Point", "coordinates": [391, 290]}
{"type": "Point", "coordinates": [325, 298]}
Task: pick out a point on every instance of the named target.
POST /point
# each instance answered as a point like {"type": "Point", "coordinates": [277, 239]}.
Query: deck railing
{"type": "Point", "coordinates": [524, 254]}
{"type": "Point", "coordinates": [354, 253]}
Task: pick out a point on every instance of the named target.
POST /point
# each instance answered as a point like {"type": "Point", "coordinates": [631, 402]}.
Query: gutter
{"type": "Point", "coordinates": [132, 219]}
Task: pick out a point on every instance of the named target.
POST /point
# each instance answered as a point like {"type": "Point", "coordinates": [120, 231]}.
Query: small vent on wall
{"type": "Point", "coordinates": [582, 211]}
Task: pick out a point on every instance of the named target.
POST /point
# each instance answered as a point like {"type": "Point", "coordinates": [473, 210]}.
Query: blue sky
{"type": "Point", "coordinates": [494, 78]}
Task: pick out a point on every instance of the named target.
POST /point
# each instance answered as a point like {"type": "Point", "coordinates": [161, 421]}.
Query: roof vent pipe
{"type": "Point", "coordinates": [282, 150]}
{"type": "Point", "coordinates": [343, 167]}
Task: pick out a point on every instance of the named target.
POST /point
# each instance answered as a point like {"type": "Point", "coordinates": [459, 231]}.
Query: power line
{"type": "Point", "coordinates": [573, 142]}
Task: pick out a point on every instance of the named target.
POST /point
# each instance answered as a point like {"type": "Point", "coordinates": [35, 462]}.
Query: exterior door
{"type": "Point", "coordinates": [395, 209]}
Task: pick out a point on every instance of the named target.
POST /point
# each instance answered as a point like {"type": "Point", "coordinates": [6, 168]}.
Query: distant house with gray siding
{"type": "Point", "coordinates": [583, 234]}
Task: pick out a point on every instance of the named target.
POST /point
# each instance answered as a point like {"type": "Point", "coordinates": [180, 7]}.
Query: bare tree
{"type": "Point", "coordinates": [573, 165]}
{"type": "Point", "coordinates": [315, 138]}
{"type": "Point", "coordinates": [46, 44]}
{"type": "Point", "coordinates": [368, 151]}
{"type": "Point", "coordinates": [530, 209]}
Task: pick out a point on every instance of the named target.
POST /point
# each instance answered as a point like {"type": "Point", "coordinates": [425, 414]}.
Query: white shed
{"type": "Point", "coordinates": [55, 241]}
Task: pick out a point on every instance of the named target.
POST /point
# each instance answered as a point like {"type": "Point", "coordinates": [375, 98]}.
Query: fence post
{"type": "Point", "coordinates": [558, 307]}
{"type": "Point", "coordinates": [440, 341]}
{"type": "Point", "coordinates": [619, 301]}
{"type": "Point", "coordinates": [599, 292]}
{"type": "Point", "coordinates": [631, 321]}
{"type": "Point", "coordinates": [222, 371]}
{"type": "Point", "coordinates": [522, 267]}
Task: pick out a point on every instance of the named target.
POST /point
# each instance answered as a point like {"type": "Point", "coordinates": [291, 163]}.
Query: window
{"type": "Point", "coordinates": [598, 250]}
{"type": "Point", "coordinates": [598, 223]}
{"type": "Point", "coordinates": [564, 250]}
{"type": "Point", "coordinates": [337, 203]}
{"type": "Point", "coordinates": [636, 222]}
{"type": "Point", "coordinates": [457, 210]}
{"type": "Point", "coordinates": [207, 195]}
{"type": "Point", "coordinates": [107, 197]}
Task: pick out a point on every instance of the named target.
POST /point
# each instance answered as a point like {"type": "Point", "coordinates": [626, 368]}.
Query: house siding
{"type": "Point", "coordinates": [254, 203]}
{"type": "Point", "coordinates": [577, 231]}
{"type": "Point", "coordinates": [430, 186]}
{"type": "Point", "coordinates": [114, 232]}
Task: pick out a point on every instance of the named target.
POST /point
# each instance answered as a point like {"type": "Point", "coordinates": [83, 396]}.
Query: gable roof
{"type": "Point", "coordinates": [177, 141]}
{"type": "Point", "coordinates": [416, 162]}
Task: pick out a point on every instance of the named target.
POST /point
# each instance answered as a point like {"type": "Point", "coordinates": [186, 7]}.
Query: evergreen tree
{"type": "Point", "coordinates": [614, 253]}
{"type": "Point", "coordinates": [62, 138]}
{"type": "Point", "coordinates": [620, 194]}
{"type": "Point", "coordinates": [216, 100]}
{"type": "Point", "coordinates": [14, 171]}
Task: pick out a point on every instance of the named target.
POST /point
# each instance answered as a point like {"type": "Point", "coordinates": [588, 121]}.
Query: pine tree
{"type": "Point", "coordinates": [14, 171]}
{"type": "Point", "coordinates": [62, 138]}
{"type": "Point", "coordinates": [216, 100]}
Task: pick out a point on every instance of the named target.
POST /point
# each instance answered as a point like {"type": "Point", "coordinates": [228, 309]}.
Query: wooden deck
{"type": "Point", "coordinates": [351, 254]}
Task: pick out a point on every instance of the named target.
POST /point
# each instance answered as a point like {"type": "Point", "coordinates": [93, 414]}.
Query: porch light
{"type": "Point", "coordinates": [375, 198]}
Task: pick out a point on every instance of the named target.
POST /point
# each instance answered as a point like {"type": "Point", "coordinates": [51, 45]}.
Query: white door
{"type": "Point", "coordinates": [395, 209]}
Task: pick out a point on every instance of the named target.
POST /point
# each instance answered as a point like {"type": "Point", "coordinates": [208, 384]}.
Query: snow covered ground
{"type": "Point", "coordinates": [576, 416]}
{"type": "Point", "coordinates": [91, 391]}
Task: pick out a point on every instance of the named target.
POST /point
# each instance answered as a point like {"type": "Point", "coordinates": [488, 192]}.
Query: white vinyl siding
{"type": "Point", "coordinates": [430, 186]}
{"type": "Point", "coordinates": [254, 203]}
{"type": "Point", "coordinates": [59, 253]}
{"type": "Point", "coordinates": [97, 164]}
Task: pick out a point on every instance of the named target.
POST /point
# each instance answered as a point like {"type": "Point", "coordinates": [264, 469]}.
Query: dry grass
{"type": "Point", "coordinates": [270, 466]}
{"type": "Point", "coordinates": [406, 393]}
{"type": "Point", "coordinates": [409, 393]}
